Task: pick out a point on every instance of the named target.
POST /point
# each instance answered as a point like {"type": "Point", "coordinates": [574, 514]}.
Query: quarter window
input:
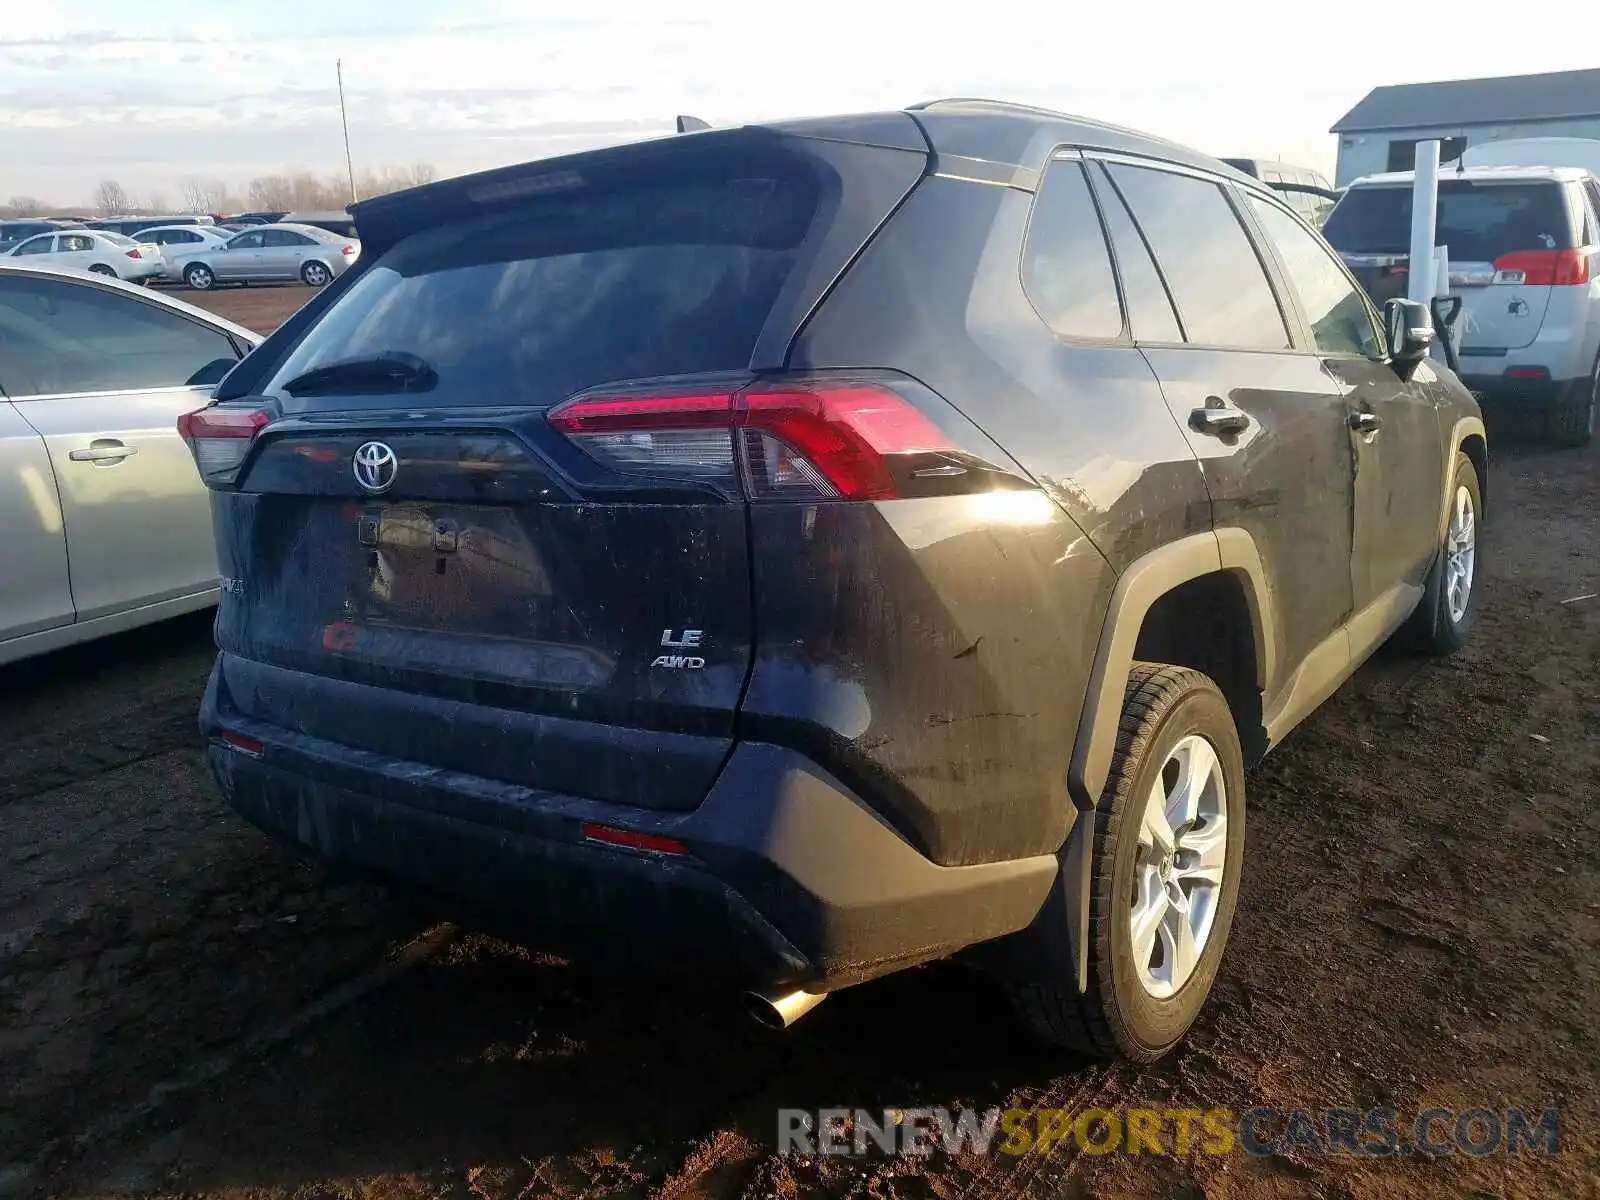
{"type": "Point", "coordinates": [1066, 268]}
{"type": "Point", "coordinates": [1149, 307]}
{"type": "Point", "coordinates": [58, 337]}
{"type": "Point", "coordinates": [1339, 318]}
{"type": "Point", "coordinates": [1217, 282]}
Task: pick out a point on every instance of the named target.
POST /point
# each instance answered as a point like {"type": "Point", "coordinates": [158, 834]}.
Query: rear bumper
{"type": "Point", "coordinates": [788, 879]}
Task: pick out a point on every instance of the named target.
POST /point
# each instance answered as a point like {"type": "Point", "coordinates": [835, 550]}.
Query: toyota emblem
{"type": "Point", "coordinates": [375, 466]}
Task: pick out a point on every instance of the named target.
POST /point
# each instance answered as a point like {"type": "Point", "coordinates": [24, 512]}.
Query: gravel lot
{"type": "Point", "coordinates": [186, 1009]}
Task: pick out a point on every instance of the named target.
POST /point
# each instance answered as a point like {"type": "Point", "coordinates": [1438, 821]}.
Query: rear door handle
{"type": "Point", "coordinates": [1218, 418]}
{"type": "Point", "coordinates": [103, 450]}
{"type": "Point", "coordinates": [1366, 422]}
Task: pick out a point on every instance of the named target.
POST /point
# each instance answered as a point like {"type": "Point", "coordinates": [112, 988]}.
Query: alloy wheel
{"type": "Point", "coordinates": [1460, 554]}
{"type": "Point", "coordinates": [1178, 873]}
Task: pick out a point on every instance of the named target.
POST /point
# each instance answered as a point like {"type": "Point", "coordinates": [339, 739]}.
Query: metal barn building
{"type": "Point", "coordinates": [1381, 133]}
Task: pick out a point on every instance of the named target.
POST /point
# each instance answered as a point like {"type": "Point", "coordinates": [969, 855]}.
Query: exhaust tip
{"type": "Point", "coordinates": [779, 1010]}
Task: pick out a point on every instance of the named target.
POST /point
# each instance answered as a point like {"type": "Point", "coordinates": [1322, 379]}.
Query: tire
{"type": "Point", "coordinates": [1440, 625]}
{"type": "Point", "coordinates": [315, 274]}
{"type": "Point", "coordinates": [199, 277]}
{"type": "Point", "coordinates": [101, 269]}
{"type": "Point", "coordinates": [1119, 1013]}
{"type": "Point", "coordinates": [1571, 423]}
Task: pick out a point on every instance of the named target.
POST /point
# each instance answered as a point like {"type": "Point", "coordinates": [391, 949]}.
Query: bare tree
{"type": "Point", "coordinates": [422, 172]}
{"type": "Point", "coordinates": [157, 203]}
{"type": "Point", "coordinates": [110, 198]}
{"type": "Point", "coordinates": [271, 192]}
{"type": "Point", "coordinates": [26, 206]}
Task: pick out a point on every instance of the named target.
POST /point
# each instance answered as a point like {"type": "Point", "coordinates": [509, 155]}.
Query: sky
{"type": "Point", "coordinates": [154, 93]}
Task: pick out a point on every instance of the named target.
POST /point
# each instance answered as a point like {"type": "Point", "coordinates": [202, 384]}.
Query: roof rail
{"type": "Point", "coordinates": [981, 102]}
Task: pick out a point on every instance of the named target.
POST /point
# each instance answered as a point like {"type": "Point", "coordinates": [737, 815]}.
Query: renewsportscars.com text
{"type": "Point", "coordinates": [1372, 1132]}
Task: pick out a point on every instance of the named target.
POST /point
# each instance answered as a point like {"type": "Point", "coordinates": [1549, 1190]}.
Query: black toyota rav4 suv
{"type": "Point", "coordinates": [817, 548]}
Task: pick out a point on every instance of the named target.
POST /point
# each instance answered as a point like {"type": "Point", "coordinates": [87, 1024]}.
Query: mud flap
{"type": "Point", "coordinates": [1055, 946]}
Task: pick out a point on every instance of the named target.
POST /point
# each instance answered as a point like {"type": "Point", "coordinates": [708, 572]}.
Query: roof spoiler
{"type": "Point", "coordinates": [692, 124]}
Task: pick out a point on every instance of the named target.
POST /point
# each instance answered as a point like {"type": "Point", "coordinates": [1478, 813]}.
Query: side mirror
{"type": "Point", "coordinates": [1410, 331]}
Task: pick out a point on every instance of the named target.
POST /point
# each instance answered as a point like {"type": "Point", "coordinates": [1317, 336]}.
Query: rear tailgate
{"type": "Point", "coordinates": [1490, 228]}
{"type": "Point", "coordinates": [422, 567]}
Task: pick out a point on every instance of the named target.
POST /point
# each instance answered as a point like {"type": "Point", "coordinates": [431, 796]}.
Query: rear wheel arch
{"type": "Point", "coordinates": [1467, 436]}
{"type": "Point", "coordinates": [1200, 602]}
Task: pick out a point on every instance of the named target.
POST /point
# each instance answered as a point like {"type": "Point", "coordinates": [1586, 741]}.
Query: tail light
{"type": "Point", "coordinates": [134, 253]}
{"type": "Point", "coordinates": [348, 252]}
{"type": "Point", "coordinates": [1543, 268]}
{"type": "Point", "coordinates": [220, 438]}
{"type": "Point", "coordinates": [846, 440]}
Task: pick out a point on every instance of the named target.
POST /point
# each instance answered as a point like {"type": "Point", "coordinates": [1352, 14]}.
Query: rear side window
{"type": "Point", "coordinates": [58, 337]}
{"type": "Point", "coordinates": [1217, 282]}
{"type": "Point", "coordinates": [674, 273]}
{"type": "Point", "coordinates": [1066, 269]}
{"type": "Point", "coordinates": [1592, 190]}
{"type": "Point", "coordinates": [1150, 309]}
{"type": "Point", "coordinates": [284, 237]}
{"type": "Point", "coordinates": [1477, 221]}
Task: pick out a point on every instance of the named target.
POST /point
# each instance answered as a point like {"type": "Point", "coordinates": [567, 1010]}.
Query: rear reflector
{"type": "Point", "coordinates": [220, 438]}
{"type": "Point", "coordinates": [808, 441]}
{"type": "Point", "coordinates": [1543, 268]}
{"type": "Point", "coordinates": [244, 745]}
{"type": "Point", "coordinates": [632, 839]}
{"type": "Point", "coordinates": [1527, 372]}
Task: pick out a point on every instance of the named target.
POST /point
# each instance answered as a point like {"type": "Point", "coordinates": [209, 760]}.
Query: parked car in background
{"type": "Point", "coordinates": [13, 232]}
{"type": "Point", "coordinates": [133, 226]}
{"type": "Point", "coordinates": [255, 218]}
{"type": "Point", "coordinates": [1524, 247]}
{"type": "Point", "coordinates": [813, 549]}
{"type": "Point", "coordinates": [336, 221]}
{"type": "Point", "coordinates": [107, 523]}
{"type": "Point", "coordinates": [176, 238]}
{"type": "Point", "coordinates": [1308, 192]}
{"type": "Point", "coordinates": [96, 251]}
{"type": "Point", "coordinates": [266, 254]}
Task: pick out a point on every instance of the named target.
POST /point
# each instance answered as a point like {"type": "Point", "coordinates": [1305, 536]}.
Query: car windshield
{"type": "Point", "coordinates": [1478, 222]}
{"type": "Point", "coordinates": [116, 239]}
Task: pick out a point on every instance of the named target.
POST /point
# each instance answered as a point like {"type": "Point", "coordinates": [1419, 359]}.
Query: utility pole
{"type": "Point", "coordinates": [349, 165]}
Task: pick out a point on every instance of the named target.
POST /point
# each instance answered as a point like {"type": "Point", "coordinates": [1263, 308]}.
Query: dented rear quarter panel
{"type": "Point", "coordinates": [932, 654]}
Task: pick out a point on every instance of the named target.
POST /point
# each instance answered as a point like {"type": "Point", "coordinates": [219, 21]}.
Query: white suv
{"type": "Point", "coordinates": [1524, 246]}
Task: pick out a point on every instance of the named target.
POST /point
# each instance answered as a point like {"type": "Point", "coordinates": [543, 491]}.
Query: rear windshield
{"type": "Point", "coordinates": [528, 306]}
{"type": "Point", "coordinates": [1477, 221]}
{"type": "Point", "coordinates": [116, 239]}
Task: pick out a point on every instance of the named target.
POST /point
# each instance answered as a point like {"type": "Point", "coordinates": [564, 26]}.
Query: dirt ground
{"type": "Point", "coordinates": [262, 307]}
{"type": "Point", "coordinates": [187, 1010]}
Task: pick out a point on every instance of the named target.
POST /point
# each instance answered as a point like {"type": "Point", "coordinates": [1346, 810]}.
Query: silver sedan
{"type": "Point", "coordinates": [266, 254]}
{"type": "Point", "coordinates": [107, 523]}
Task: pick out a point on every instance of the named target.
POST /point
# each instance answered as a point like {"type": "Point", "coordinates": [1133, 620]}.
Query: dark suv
{"type": "Point", "coordinates": [819, 548]}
